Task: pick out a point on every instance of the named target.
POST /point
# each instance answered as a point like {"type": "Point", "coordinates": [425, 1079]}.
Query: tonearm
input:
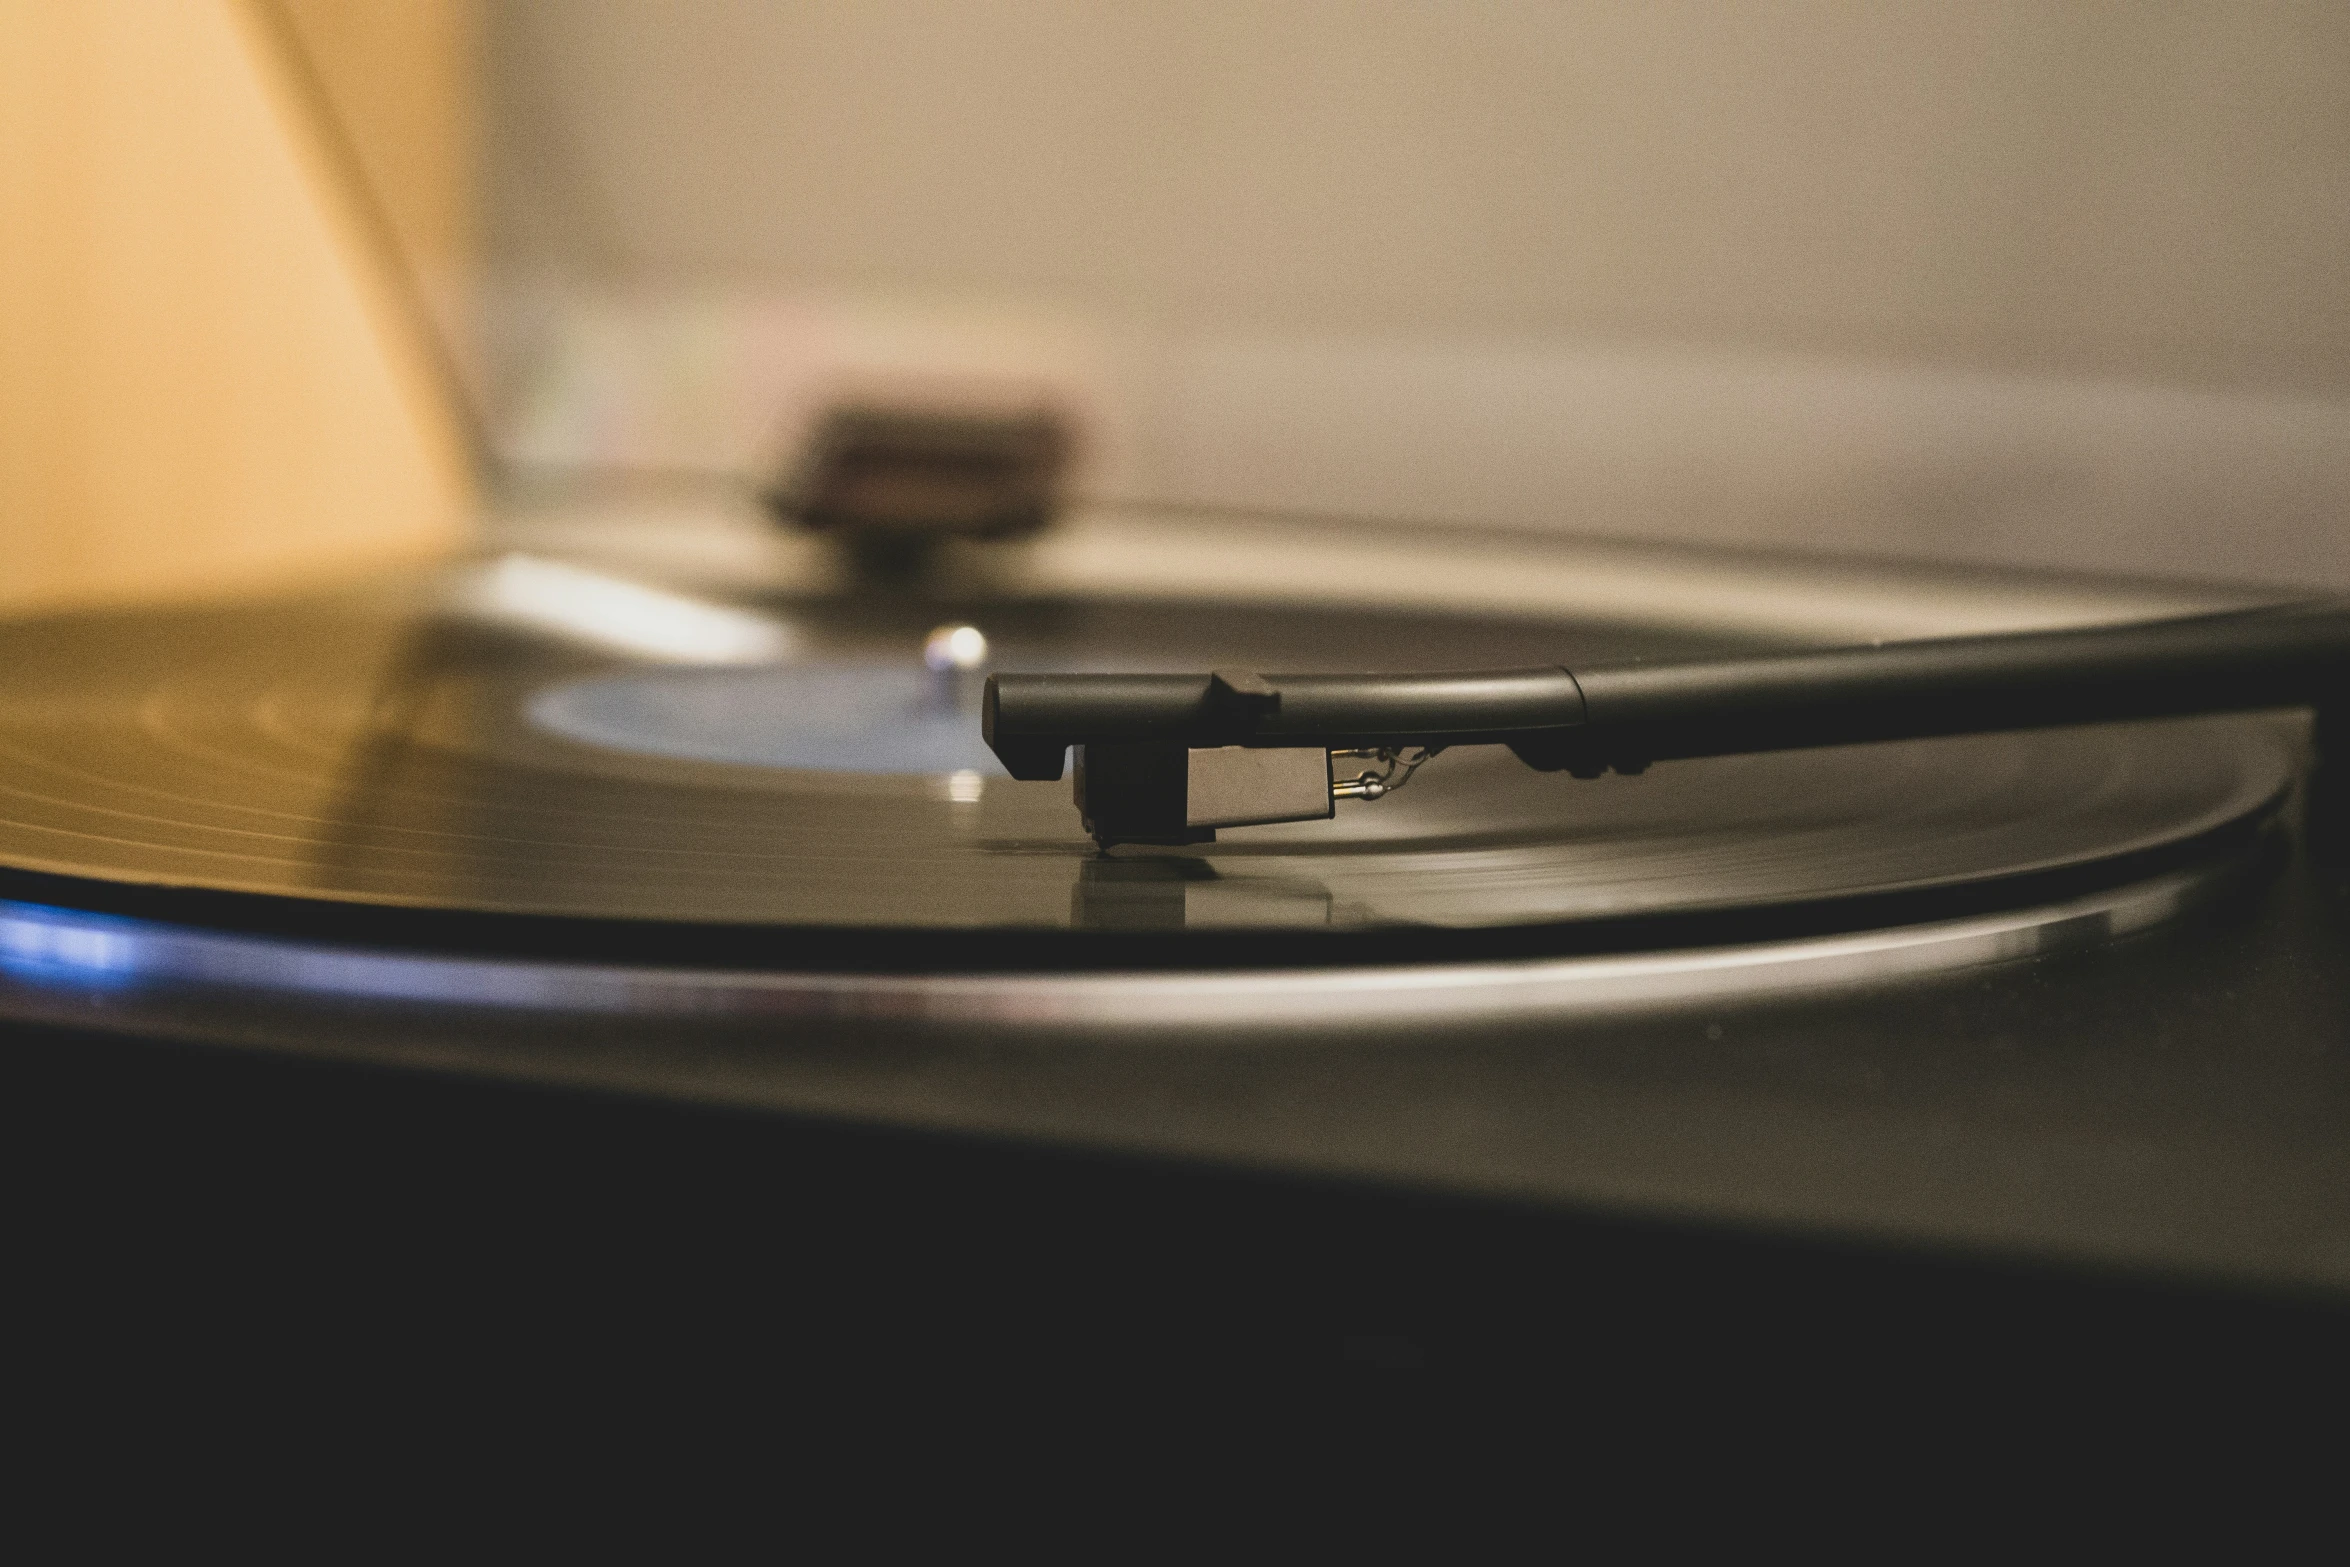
{"type": "Point", "coordinates": [1168, 759]}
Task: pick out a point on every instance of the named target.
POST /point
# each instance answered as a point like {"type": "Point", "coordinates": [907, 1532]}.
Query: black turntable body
{"type": "Point", "coordinates": [381, 959]}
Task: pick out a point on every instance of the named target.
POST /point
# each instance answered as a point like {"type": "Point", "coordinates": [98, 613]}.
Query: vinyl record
{"type": "Point", "coordinates": [397, 766]}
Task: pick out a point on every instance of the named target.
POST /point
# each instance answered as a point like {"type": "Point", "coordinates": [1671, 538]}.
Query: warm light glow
{"type": "Point", "coordinates": [956, 648]}
{"type": "Point", "coordinates": [581, 605]}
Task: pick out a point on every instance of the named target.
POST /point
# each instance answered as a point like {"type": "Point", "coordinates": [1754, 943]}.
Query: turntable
{"type": "Point", "coordinates": [964, 926]}
{"type": "Point", "coordinates": [694, 815]}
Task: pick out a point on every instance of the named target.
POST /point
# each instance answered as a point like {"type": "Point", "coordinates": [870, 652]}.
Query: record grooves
{"type": "Point", "coordinates": [374, 770]}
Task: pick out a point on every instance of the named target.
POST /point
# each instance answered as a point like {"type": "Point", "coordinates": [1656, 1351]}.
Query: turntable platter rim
{"type": "Point", "coordinates": [51, 955]}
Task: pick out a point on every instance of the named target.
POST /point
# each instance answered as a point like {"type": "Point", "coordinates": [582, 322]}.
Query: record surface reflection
{"type": "Point", "coordinates": [376, 765]}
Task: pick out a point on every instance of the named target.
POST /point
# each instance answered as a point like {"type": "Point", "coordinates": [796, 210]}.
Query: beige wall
{"type": "Point", "coordinates": [401, 78]}
{"type": "Point", "coordinates": [210, 379]}
{"type": "Point", "coordinates": [2059, 282]}
{"type": "Point", "coordinates": [2155, 188]}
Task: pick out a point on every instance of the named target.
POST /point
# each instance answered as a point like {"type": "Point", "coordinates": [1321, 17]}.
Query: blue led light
{"type": "Point", "coordinates": [45, 945]}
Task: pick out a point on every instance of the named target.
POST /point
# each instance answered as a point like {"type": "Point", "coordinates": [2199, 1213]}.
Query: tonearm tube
{"type": "Point", "coordinates": [1168, 759]}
